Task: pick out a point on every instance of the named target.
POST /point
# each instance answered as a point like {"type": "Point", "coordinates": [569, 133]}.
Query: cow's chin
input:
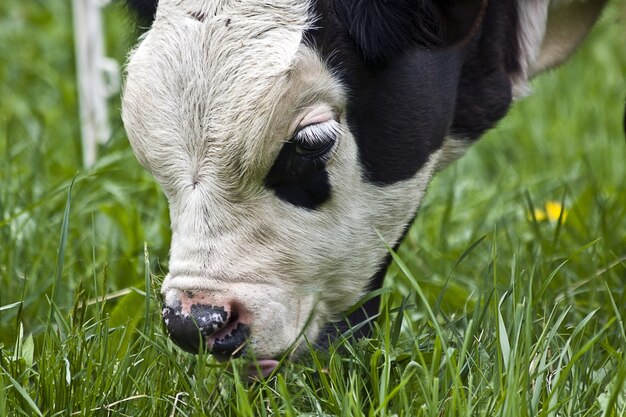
{"type": "Point", "coordinates": [271, 340]}
{"type": "Point", "coordinates": [255, 321]}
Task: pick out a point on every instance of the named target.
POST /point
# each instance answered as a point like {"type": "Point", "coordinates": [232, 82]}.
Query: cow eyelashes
{"type": "Point", "coordinates": [315, 141]}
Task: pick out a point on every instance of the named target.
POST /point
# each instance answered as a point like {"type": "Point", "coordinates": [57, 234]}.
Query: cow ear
{"type": "Point", "coordinates": [384, 28]}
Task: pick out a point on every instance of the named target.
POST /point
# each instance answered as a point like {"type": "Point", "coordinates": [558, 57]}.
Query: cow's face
{"type": "Point", "coordinates": [288, 163]}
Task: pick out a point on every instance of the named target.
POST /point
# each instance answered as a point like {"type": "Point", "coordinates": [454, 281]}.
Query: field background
{"type": "Point", "coordinates": [504, 313]}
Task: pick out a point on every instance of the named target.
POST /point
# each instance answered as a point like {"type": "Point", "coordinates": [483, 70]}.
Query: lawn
{"type": "Point", "coordinates": [496, 305]}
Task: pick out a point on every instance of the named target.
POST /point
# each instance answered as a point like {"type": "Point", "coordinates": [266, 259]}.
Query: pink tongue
{"type": "Point", "coordinates": [262, 368]}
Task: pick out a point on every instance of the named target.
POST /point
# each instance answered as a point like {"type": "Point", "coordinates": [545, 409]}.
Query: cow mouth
{"type": "Point", "coordinates": [221, 343]}
{"type": "Point", "coordinates": [255, 370]}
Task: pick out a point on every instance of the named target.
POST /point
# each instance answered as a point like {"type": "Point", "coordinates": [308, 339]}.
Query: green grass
{"type": "Point", "coordinates": [489, 312]}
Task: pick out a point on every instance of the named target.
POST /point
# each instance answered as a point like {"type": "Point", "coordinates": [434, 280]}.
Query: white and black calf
{"type": "Point", "coordinates": [293, 138]}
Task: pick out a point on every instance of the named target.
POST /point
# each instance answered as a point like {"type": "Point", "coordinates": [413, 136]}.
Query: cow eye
{"type": "Point", "coordinates": [316, 149]}
{"type": "Point", "coordinates": [317, 140]}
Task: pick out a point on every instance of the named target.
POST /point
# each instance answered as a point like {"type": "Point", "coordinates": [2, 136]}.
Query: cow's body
{"type": "Point", "coordinates": [294, 138]}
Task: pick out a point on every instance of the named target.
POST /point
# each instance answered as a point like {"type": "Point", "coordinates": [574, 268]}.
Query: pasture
{"type": "Point", "coordinates": [506, 298]}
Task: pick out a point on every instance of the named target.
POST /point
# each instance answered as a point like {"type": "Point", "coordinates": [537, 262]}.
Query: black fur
{"type": "Point", "coordinates": [484, 92]}
{"type": "Point", "coordinates": [401, 108]}
{"type": "Point", "coordinates": [298, 180]}
{"type": "Point", "coordinates": [399, 113]}
{"type": "Point", "coordinates": [383, 29]}
{"type": "Point", "coordinates": [144, 10]}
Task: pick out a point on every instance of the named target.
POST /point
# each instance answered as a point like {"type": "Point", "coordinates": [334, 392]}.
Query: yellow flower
{"type": "Point", "coordinates": [552, 212]}
{"type": "Point", "coordinates": [538, 214]}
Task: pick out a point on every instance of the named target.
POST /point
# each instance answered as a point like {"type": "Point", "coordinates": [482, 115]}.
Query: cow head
{"type": "Point", "coordinates": [293, 139]}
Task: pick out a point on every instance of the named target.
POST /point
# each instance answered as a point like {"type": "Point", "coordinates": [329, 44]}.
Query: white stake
{"type": "Point", "coordinates": [98, 76]}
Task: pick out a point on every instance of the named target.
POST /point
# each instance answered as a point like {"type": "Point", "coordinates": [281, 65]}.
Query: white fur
{"type": "Point", "coordinates": [451, 150]}
{"type": "Point", "coordinates": [549, 32]}
{"type": "Point", "coordinates": [533, 16]}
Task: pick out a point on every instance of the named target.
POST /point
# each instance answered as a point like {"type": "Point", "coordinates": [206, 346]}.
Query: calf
{"type": "Point", "coordinates": [294, 138]}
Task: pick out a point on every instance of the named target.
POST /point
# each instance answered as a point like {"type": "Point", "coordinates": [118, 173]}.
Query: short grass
{"type": "Point", "coordinates": [490, 310]}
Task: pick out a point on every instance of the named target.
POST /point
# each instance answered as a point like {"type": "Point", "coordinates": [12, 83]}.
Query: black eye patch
{"type": "Point", "coordinates": [299, 174]}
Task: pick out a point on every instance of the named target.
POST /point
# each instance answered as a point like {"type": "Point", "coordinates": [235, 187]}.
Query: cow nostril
{"type": "Point", "coordinates": [182, 330]}
{"type": "Point", "coordinates": [210, 319]}
{"type": "Point", "coordinates": [206, 326]}
{"type": "Point", "coordinates": [189, 329]}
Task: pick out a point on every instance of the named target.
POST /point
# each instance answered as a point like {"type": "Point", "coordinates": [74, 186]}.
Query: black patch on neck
{"type": "Point", "coordinates": [298, 181]}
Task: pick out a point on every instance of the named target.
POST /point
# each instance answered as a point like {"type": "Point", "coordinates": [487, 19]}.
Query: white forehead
{"type": "Point", "coordinates": [212, 75]}
{"type": "Point", "coordinates": [231, 31]}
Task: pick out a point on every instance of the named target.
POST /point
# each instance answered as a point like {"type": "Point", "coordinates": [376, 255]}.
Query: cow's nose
{"type": "Point", "coordinates": [214, 328]}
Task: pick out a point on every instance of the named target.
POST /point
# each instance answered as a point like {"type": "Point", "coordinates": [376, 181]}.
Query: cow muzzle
{"type": "Point", "coordinates": [196, 322]}
{"type": "Point", "coordinates": [259, 322]}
